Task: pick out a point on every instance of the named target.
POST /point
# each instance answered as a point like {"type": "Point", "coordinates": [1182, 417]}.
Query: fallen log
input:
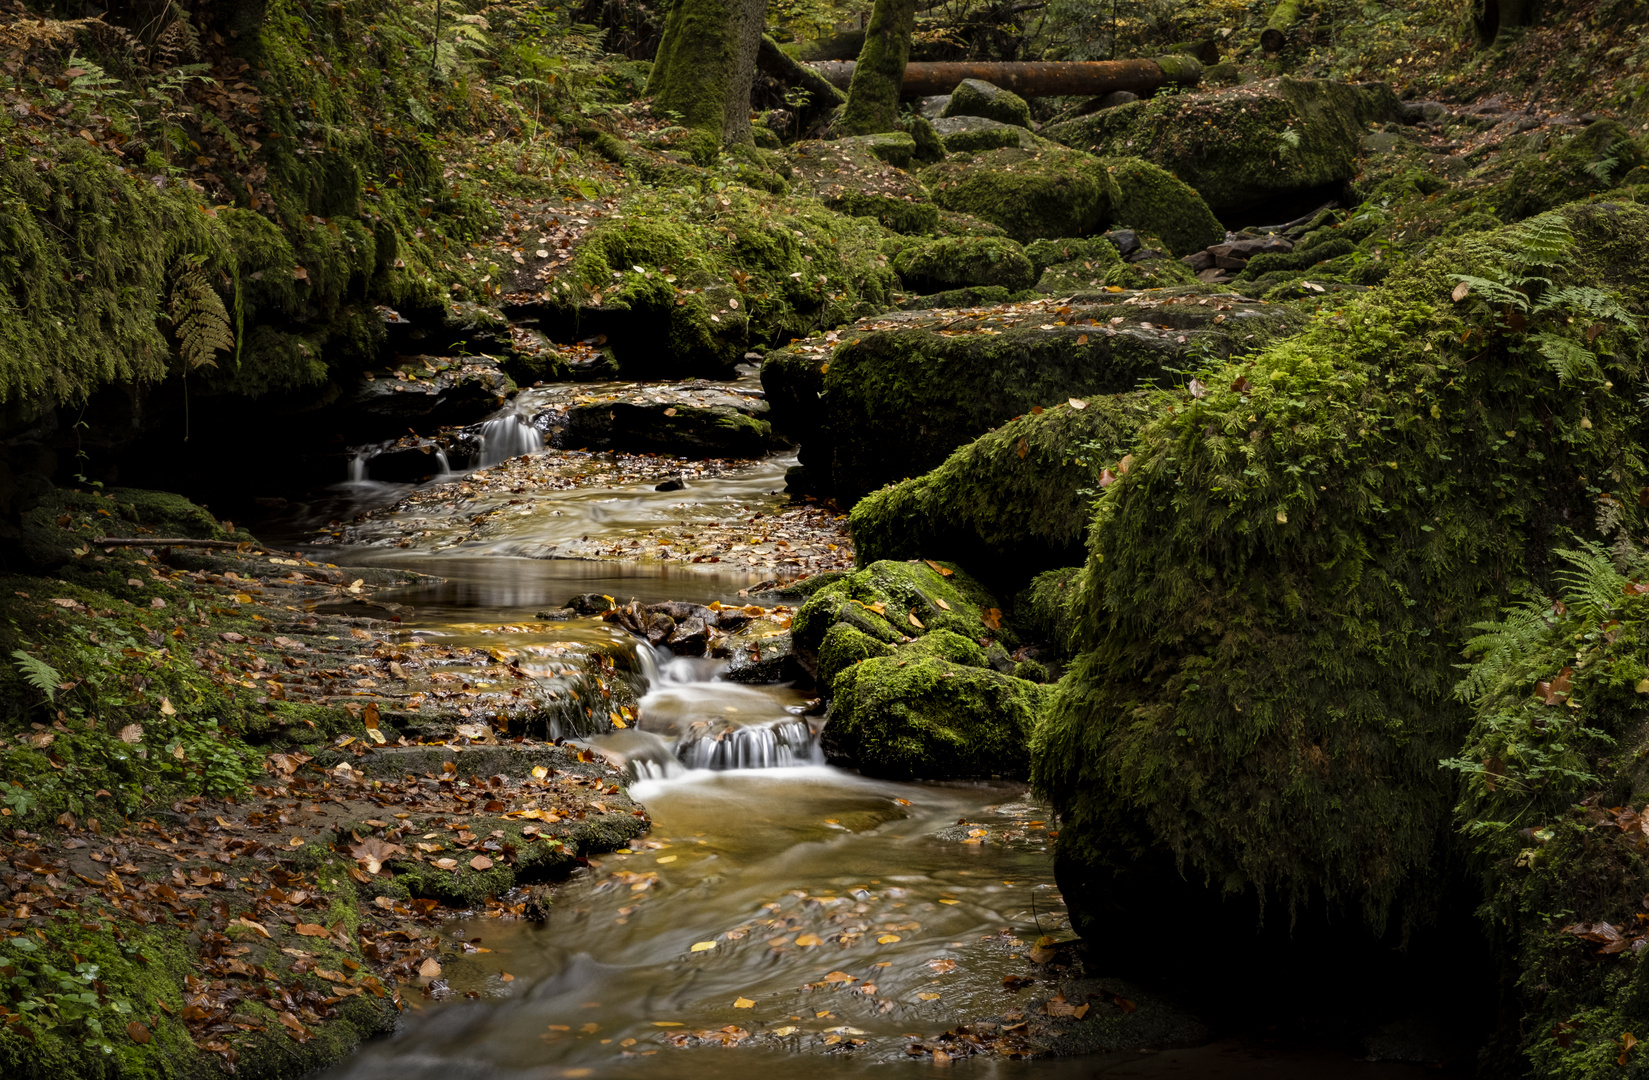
{"type": "Point", "coordinates": [1275, 34]}
{"type": "Point", "coordinates": [1035, 78]}
{"type": "Point", "coordinates": [776, 62]}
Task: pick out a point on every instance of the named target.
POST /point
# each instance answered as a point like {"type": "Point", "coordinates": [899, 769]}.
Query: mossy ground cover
{"type": "Point", "coordinates": [1278, 585]}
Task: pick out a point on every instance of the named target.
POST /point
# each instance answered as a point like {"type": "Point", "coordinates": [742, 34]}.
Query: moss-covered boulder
{"type": "Point", "coordinates": [1045, 612]}
{"type": "Point", "coordinates": [65, 523]}
{"type": "Point", "coordinates": [1030, 194]}
{"type": "Point", "coordinates": [1155, 201]}
{"type": "Point", "coordinates": [893, 602]}
{"type": "Point", "coordinates": [976, 134]}
{"type": "Point", "coordinates": [896, 148]}
{"type": "Point", "coordinates": [1015, 501]}
{"type": "Point", "coordinates": [1278, 588]}
{"type": "Point", "coordinates": [899, 393]}
{"type": "Point", "coordinates": [685, 284]}
{"type": "Point", "coordinates": [932, 710]}
{"type": "Point", "coordinates": [1094, 252]}
{"type": "Point", "coordinates": [960, 261]}
{"type": "Point", "coordinates": [975, 97]}
{"type": "Point", "coordinates": [1244, 144]}
{"type": "Point", "coordinates": [1583, 164]}
{"type": "Point", "coordinates": [850, 179]}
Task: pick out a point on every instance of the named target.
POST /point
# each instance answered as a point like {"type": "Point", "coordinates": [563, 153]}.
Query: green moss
{"type": "Point", "coordinates": [1098, 251]}
{"type": "Point", "coordinates": [1050, 193]}
{"type": "Point", "coordinates": [908, 595]}
{"type": "Point", "coordinates": [1015, 501]}
{"type": "Point", "coordinates": [1045, 610]}
{"type": "Point", "coordinates": [1277, 590]}
{"type": "Point", "coordinates": [952, 262]}
{"type": "Point", "coordinates": [1237, 147]}
{"type": "Point", "coordinates": [1581, 165]}
{"type": "Point", "coordinates": [973, 97]}
{"type": "Point", "coordinates": [1153, 201]}
{"type": "Point", "coordinates": [873, 93]}
{"type": "Point", "coordinates": [851, 180]}
{"type": "Point", "coordinates": [1158, 270]}
{"type": "Point", "coordinates": [714, 279]}
{"type": "Point", "coordinates": [843, 646]}
{"type": "Point", "coordinates": [973, 296]}
{"type": "Point", "coordinates": [932, 710]}
{"type": "Point", "coordinates": [896, 148]}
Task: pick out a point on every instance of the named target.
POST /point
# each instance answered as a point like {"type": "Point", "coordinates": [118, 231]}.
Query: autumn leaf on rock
{"type": "Point", "coordinates": [137, 1032]}
{"type": "Point", "coordinates": [304, 929]}
{"type": "Point", "coordinates": [430, 968]}
{"type": "Point", "coordinates": [744, 1003]}
{"type": "Point", "coordinates": [372, 853]}
{"type": "Point", "coordinates": [480, 862]}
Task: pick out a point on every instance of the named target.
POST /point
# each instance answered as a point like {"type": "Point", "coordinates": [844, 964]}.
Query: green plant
{"type": "Point", "coordinates": [38, 674]}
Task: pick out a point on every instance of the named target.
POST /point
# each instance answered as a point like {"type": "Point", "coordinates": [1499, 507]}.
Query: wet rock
{"type": "Point", "coordinates": [427, 391]}
{"type": "Point", "coordinates": [933, 107]}
{"type": "Point", "coordinates": [690, 638]}
{"type": "Point", "coordinates": [694, 419]}
{"type": "Point", "coordinates": [1115, 98]}
{"type": "Point", "coordinates": [1240, 145]}
{"type": "Point", "coordinates": [975, 97]}
{"type": "Point", "coordinates": [1126, 241]}
{"type": "Point", "coordinates": [589, 603]}
{"type": "Point", "coordinates": [761, 653]}
{"type": "Point", "coordinates": [557, 614]}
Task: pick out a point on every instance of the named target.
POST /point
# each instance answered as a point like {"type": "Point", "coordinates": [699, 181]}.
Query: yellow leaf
{"type": "Point", "coordinates": [376, 736]}
{"type": "Point", "coordinates": [888, 939]}
{"type": "Point", "coordinates": [914, 621]}
{"type": "Point", "coordinates": [703, 946]}
{"type": "Point", "coordinates": [618, 721]}
{"type": "Point", "coordinates": [807, 941]}
{"type": "Point", "coordinates": [250, 925]}
{"type": "Point", "coordinates": [539, 772]}
{"type": "Point", "coordinates": [950, 901]}
{"type": "Point", "coordinates": [1076, 404]}
{"type": "Point", "coordinates": [667, 1023]}
{"type": "Point", "coordinates": [928, 997]}
{"type": "Point", "coordinates": [166, 707]}
{"type": "Point", "coordinates": [744, 1003]}
{"type": "Point", "coordinates": [666, 858]}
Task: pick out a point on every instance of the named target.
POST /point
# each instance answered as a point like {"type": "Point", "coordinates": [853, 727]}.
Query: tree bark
{"type": "Point", "coordinates": [705, 65]}
{"type": "Point", "coordinates": [823, 96]}
{"type": "Point", "coordinates": [1031, 78]}
{"type": "Point", "coordinates": [873, 91]}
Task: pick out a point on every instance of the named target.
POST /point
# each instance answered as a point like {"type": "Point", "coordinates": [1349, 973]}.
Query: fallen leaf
{"type": "Point", "coordinates": [140, 1034]}
{"type": "Point", "coordinates": [1461, 291]}
{"type": "Point", "coordinates": [807, 941]}
{"type": "Point", "coordinates": [305, 929]}
{"type": "Point", "coordinates": [744, 1003]}
{"type": "Point", "coordinates": [480, 862]}
{"type": "Point", "coordinates": [928, 997]}
{"type": "Point", "coordinates": [703, 946]}
{"type": "Point", "coordinates": [888, 939]}
{"type": "Point", "coordinates": [250, 925]}
{"type": "Point", "coordinates": [430, 968]}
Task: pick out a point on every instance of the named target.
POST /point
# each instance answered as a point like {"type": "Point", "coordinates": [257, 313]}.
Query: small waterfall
{"type": "Point", "coordinates": [504, 437]}
{"type": "Point", "coordinates": [749, 746]}
{"type": "Point", "coordinates": [446, 466]}
{"type": "Point", "coordinates": [357, 467]}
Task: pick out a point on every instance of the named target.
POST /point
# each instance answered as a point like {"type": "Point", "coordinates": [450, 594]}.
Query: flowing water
{"type": "Point", "coordinates": [760, 850]}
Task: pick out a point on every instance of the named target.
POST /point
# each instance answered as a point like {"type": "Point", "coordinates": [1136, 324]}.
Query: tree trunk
{"type": "Point", "coordinates": [822, 95]}
{"type": "Point", "coordinates": [1275, 34]}
{"type": "Point", "coordinates": [705, 65]}
{"type": "Point", "coordinates": [873, 93]}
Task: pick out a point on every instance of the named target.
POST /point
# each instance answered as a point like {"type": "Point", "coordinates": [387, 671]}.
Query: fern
{"type": "Point", "coordinates": [38, 674]}
{"type": "Point", "coordinates": [199, 318]}
{"type": "Point", "coordinates": [1593, 587]}
{"type": "Point", "coordinates": [1567, 358]}
{"type": "Point", "coordinates": [1500, 645]}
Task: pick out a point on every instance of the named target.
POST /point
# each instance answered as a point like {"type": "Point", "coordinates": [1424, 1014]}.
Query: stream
{"type": "Point", "coordinates": [783, 917]}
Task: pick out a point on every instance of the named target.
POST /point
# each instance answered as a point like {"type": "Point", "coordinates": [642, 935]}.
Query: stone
{"type": "Point", "coordinates": [961, 261]}
{"type": "Point", "coordinates": [1115, 98]}
{"type": "Point", "coordinates": [973, 134]}
{"type": "Point", "coordinates": [933, 107]}
{"type": "Point", "coordinates": [894, 147]}
{"type": "Point", "coordinates": [1048, 193]}
{"type": "Point", "coordinates": [975, 97]}
{"type": "Point", "coordinates": [850, 179]}
{"type": "Point", "coordinates": [1126, 241]}
{"type": "Point", "coordinates": [697, 418]}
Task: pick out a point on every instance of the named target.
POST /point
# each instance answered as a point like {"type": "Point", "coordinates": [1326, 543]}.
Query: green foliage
{"type": "Point", "coordinates": [198, 317]}
{"type": "Point", "coordinates": [37, 673]}
{"type": "Point", "coordinates": [1277, 587]}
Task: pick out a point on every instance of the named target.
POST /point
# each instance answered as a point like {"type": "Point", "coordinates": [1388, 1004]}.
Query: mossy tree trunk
{"type": "Point", "coordinates": [706, 63]}
{"type": "Point", "coordinates": [873, 95]}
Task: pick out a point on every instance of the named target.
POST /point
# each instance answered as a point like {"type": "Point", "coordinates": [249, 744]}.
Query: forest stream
{"type": "Point", "coordinates": [782, 913]}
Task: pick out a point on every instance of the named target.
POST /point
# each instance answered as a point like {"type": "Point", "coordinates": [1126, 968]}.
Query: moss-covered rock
{"type": "Point", "coordinates": [1044, 611]}
{"type": "Point", "coordinates": [976, 134]}
{"type": "Point", "coordinates": [1095, 252]}
{"type": "Point", "coordinates": [66, 522]}
{"type": "Point", "coordinates": [1154, 201]}
{"type": "Point", "coordinates": [1244, 144]}
{"type": "Point", "coordinates": [1015, 501]}
{"type": "Point", "coordinates": [849, 179]}
{"type": "Point", "coordinates": [896, 148]}
{"type": "Point", "coordinates": [1583, 164]}
{"type": "Point", "coordinates": [1031, 195]}
{"type": "Point", "coordinates": [932, 710]}
{"type": "Point", "coordinates": [895, 398]}
{"type": "Point", "coordinates": [1278, 588]}
{"type": "Point", "coordinates": [682, 284]}
{"type": "Point", "coordinates": [893, 602]}
{"type": "Point", "coordinates": [961, 261]}
{"type": "Point", "coordinates": [971, 296]}
{"type": "Point", "coordinates": [975, 97]}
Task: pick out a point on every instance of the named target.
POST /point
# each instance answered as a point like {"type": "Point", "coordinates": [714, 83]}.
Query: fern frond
{"type": "Point", "coordinates": [1502, 644]}
{"type": "Point", "coordinates": [1544, 240]}
{"type": "Point", "coordinates": [1571, 362]}
{"type": "Point", "coordinates": [199, 319]}
{"type": "Point", "coordinates": [1493, 292]}
{"type": "Point", "coordinates": [1592, 586]}
{"type": "Point", "coordinates": [38, 674]}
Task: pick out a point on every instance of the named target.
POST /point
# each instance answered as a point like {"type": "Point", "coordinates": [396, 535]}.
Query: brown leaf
{"type": "Point", "coordinates": [430, 968]}
{"type": "Point", "coordinates": [305, 929]}
{"type": "Point", "coordinates": [1461, 291]}
{"type": "Point", "coordinates": [992, 617]}
{"type": "Point", "coordinates": [139, 1034]}
{"type": "Point", "coordinates": [1023, 448]}
{"type": "Point", "coordinates": [914, 621]}
{"type": "Point", "coordinates": [1557, 691]}
{"type": "Point", "coordinates": [480, 862]}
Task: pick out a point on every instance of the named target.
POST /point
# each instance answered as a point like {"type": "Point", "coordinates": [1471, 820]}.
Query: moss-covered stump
{"type": "Point", "coordinates": [900, 392]}
{"type": "Point", "coordinates": [975, 97]}
{"type": "Point", "coordinates": [1279, 586]}
{"type": "Point", "coordinates": [1156, 202]}
{"type": "Point", "coordinates": [1015, 501]}
{"type": "Point", "coordinates": [684, 284]}
{"type": "Point", "coordinates": [1243, 144]}
{"type": "Point", "coordinates": [976, 134]}
{"type": "Point", "coordinates": [1590, 161]}
{"type": "Point", "coordinates": [960, 261]}
{"type": "Point", "coordinates": [932, 710]}
{"type": "Point", "coordinates": [849, 179]}
{"type": "Point", "coordinates": [1031, 194]}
